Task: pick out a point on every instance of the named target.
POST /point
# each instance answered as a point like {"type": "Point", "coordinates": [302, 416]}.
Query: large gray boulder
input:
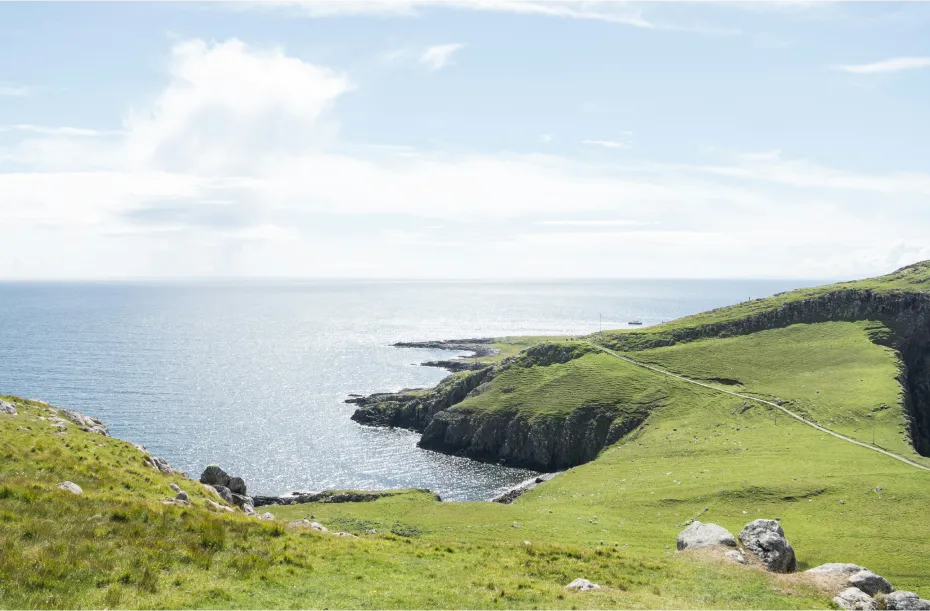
{"type": "Point", "coordinates": [836, 568]}
{"type": "Point", "coordinates": [905, 601]}
{"type": "Point", "coordinates": [236, 485]}
{"type": "Point", "coordinates": [214, 476]}
{"type": "Point", "coordinates": [704, 535]}
{"type": "Point", "coordinates": [855, 599]}
{"type": "Point", "coordinates": [870, 583]}
{"type": "Point", "coordinates": [7, 408]}
{"type": "Point", "coordinates": [766, 539]}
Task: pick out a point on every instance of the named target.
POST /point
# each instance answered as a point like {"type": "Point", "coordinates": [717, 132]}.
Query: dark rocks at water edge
{"type": "Point", "coordinates": [330, 496]}
{"type": "Point", "coordinates": [517, 491]}
{"type": "Point", "coordinates": [480, 346]}
{"type": "Point", "coordinates": [231, 489]}
{"type": "Point", "coordinates": [455, 366]}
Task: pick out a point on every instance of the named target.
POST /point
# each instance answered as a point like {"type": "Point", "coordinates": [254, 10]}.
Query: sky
{"type": "Point", "coordinates": [483, 139]}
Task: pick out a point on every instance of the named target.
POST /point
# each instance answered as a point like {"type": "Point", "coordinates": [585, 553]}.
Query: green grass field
{"type": "Point", "coordinates": [700, 454]}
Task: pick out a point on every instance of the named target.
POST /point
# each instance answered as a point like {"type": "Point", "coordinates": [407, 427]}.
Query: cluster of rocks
{"type": "Point", "coordinates": [231, 489]}
{"type": "Point", "coordinates": [765, 542]}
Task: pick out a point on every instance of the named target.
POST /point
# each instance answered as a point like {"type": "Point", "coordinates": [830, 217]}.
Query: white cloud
{"type": "Point", "coordinates": [611, 144]}
{"type": "Point", "coordinates": [236, 167]}
{"type": "Point", "coordinates": [13, 90]}
{"type": "Point", "coordinates": [895, 64]}
{"type": "Point", "coordinates": [437, 57]}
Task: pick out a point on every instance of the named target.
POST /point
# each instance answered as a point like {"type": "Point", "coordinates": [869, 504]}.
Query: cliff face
{"type": "Point", "coordinates": [544, 444]}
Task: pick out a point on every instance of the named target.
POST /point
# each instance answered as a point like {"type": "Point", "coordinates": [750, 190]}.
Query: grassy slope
{"type": "Point", "coordinates": [614, 520]}
{"type": "Point", "coordinates": [558, 389]}
{"type": "Point", "coordinates": [119, 546]}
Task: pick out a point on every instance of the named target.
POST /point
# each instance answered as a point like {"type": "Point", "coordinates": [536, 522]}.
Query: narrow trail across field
{"type": "Point", "coordinates": [664, 372]}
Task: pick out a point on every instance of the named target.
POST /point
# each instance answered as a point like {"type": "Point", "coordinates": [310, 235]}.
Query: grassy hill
{"type": "Point", "coordinates": [658, 452]}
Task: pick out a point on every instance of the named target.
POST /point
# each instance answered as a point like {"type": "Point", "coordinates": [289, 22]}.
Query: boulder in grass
{"type": "Point", "coordinates": [766, 539]}
{"type": "Point", "coordinates": [698, 535]}
{"type": "Point", "coordinates": [905, 601]}
{"type": "Point", "coordinates": [855, 599]}
{"type": "Point", "coordinates": [70, 487]}
{"type": "Point", "coordinates": [7, 408]}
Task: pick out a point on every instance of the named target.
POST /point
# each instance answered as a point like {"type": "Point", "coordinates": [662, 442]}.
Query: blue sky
{"type": "Point", "coordinates": [463, 139]}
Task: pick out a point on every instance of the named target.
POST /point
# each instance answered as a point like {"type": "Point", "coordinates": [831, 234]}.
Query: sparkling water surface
{"type": "Point", "coordinates": [252, 375]}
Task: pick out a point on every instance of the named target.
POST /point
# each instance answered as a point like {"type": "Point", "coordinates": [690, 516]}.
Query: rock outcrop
{"type": "Point", "coordinates": [231, 489]}
{"type": "Point", "coordinates": [7, 408]}
{"type": "Point", "coordinates": [870, 583]}
{"type": "Point", "coordinates": [901, 600]}
{"type": "Point", "coordinates": [855, 600]}
{"type": "Point", "coordinates": [766, 539]}
{"type": "Point", "coordinates": [88, 424]}
{"type": "Point", "coordinates": [698, 535]}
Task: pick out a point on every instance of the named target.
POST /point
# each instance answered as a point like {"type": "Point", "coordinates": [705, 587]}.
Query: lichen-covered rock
{"type": "Point", "coordinates": [855, 600]}
{"type": "Point", "coordinates": [267, 516]}
{"type": "Point", "coordinates": [7, 408]}
{"type": "Point", "coordinates": [582, 585]}
{"type": "Point", "coordinates": [87, 424]}
{"type": "Point", "coordinates": [836, 568]}
{"type": "Point", "coordinates": [698, 535]}
{"type": "Point", "coordinates": [70, 487]}
{"type": "Point", "coordinates": [214, 476]}
{"type": "Point", "coordinates": [870, 583]}
{"type": "Point", "coordinates": [174, 488]}
{"type": "Point", "coordinates": [766, 539]}
{"type": "Point", "coordinates": [183, 497]}
{"type": "Point", "coordinates": [901, 600]}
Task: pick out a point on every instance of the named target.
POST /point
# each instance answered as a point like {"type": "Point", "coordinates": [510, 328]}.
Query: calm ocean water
{"type": "Point", "coordinates": [252, 376]}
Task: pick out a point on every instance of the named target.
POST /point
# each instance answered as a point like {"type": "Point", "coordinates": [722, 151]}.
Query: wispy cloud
{"type": "Point", "coordinates": [611, 144]}
{"type": "Point", "coordinates": [597, 223]}
{"type": "Point", "coordinates": [895, 64]}
{"type": "Point", "coordinates": [46, 130]}
{"type": "Point", "coordinates": [437, 57]}
{"type": "Point", "coordinates": [13, 90]}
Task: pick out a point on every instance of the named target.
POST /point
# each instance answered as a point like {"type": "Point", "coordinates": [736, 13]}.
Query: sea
{"type": "Point", "coordinates": [252, 375]}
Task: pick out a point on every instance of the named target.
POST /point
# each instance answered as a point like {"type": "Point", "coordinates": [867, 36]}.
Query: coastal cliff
{"type": "Point", "coordinates": [450, 423]}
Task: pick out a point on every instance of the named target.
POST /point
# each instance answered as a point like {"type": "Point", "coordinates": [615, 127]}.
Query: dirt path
{"type": "Point", "coordinates": [757, 400]}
